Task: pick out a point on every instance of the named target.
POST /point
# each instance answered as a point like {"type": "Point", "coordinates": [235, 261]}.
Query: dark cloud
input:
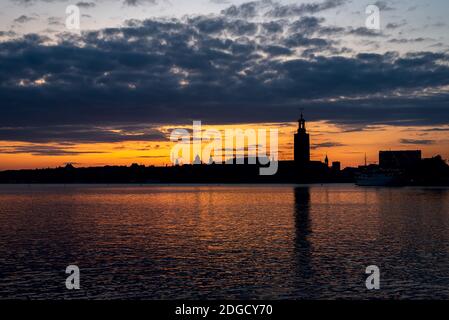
{"type": "Point", "coordinates": [307, 25]}
{"type": "Point", "coordinates": [393, 25]}
{"type": "Point", "coordinates": [86, 5]}
{"type": "Point", "coordinates": [282, 11]}
{"type": "Point", "coordinates": [134, 3]}
{"type": "Point", "coordinates": [365, 32]}
{"type": "Point", "coordinates": [273, 9]}
{"type": "Point", "coordinates": [24, 19]}
{"type": "Point", "coordinates": [246, 10]}
{"type": "Point", "coordinates": [44, 150]}
{"type": "Point", "coordinates": [401, 41]}
{"type": "Point", "coordinates": [55, 21]}
{"type": "Point", "coordinates": [384, 6]}
{"type": "Point", "coordinates": [218, 69]}
{"type": "Point", "coordinates": [81, 134]}
{"type": "Point", "coordinates": [436, 130]}
{"type": "Point", "coordinates": [329, 144]}
{"type": "Point", "coordinates": [7, 34]}
{"type": "Point", "coordinates": [417, 142]}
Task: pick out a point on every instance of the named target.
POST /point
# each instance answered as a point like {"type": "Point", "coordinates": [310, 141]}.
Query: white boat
{"type": "Point", "coordinates": [376, 179]}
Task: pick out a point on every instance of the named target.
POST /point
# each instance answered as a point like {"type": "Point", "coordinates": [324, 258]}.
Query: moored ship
{"type": "Point", "coordinates": [378, 179]}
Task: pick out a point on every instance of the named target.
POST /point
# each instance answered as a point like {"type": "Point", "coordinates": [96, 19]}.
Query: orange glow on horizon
{"type": "Point", "coordinates": [347, 146]}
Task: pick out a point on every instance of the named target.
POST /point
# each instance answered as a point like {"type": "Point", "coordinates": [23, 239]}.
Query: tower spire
{"type": "Point", "coordinates": [302, 123]}
{"type": "Point", "coordinates": [302, 144]}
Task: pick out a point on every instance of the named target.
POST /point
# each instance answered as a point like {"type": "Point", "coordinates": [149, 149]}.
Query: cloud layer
{"type": "Point", "coordinates": [225, 68]}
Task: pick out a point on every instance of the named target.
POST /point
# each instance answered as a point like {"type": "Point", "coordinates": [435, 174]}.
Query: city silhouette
{"type": "Point", "coordinates": [394, 168]}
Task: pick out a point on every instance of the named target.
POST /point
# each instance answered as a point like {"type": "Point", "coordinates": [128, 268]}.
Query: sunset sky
{"type": "Point", "coordinates": [137, 69]}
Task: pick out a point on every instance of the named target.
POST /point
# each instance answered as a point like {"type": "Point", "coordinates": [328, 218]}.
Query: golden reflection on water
{"type": "Point", "coordinates": [229, 242]}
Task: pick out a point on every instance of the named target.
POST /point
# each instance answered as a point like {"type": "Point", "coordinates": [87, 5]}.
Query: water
{"type": "Point", "coordinates": [231, 242]}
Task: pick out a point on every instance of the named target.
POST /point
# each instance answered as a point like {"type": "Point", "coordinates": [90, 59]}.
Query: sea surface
{"type": "Point", "coordinates": [223, 242]}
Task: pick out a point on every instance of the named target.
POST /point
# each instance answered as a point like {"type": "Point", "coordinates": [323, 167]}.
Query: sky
{"type": "Point", "coordinates": [112, 91]}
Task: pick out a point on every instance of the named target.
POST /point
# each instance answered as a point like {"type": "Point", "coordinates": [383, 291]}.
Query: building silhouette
{"type": "Point", "coordinates": [399, 159]}
{"type": "Point", "coordinates": [302, 144]}
{"type": "Point", "coordinates": [408, 166]}
{"type": "Point", "coordinates": [336, 166]}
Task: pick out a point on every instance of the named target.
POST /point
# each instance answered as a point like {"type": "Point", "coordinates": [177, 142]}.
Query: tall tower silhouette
{"type": "Point", "coordinates": [302, 144]}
